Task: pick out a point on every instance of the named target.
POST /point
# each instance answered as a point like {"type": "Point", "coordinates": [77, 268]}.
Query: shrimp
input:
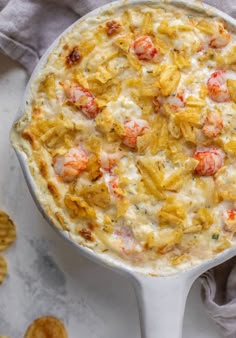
{"type": "Point", "coordinates": [109, 161]}
{"type": "Point", "coordinates": [157, 104]}
{"type": "Point", "coordinates": [69, 167]}
{"type": "Point", "coordinates": [217, 87]}
{"type": "Point", "coordinates": [221, 39]}
{"type": "Point", "coordinates": [114, 186]}
{"type": "Point", "coordinates": [175, 101]}
{"type": "Point", "coordinates": [201, 48]}
{"type": "Point", "coordinates": [230, 221]}
{"type": "Point", "coordinates": [212, 125]}
{"type": "Point", "coordinates": [81, 98]}
{"type": "Point", "coordinates": [108, 164]}
{"type": "Point", "coordinates": [210, 160]}
{"type": "Point", "coordinates": [144, 48]}
{"type": "Point", "coordinates": [125, 241]}
{"type": "Point", "coordinates": [133, 129]}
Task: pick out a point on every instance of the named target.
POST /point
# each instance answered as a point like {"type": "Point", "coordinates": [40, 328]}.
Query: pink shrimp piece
{"type": "Point", "coordinates": [81, 98]}
{"type": "Point", "coordinates": [221, 39]}
{"type": "Point", "coordinates": [144, 48]}
{"type": "Point", "coordinates": [230, 221]}
{"type": "Point", "coordinates": [176, 101]}
{"type": "Point", "coordinates": [157, 104]}
{"type": "Point", "coordinates": [217, 87]}
{"type": "Point", "coordinates": [72, 164]}
{"type": "Point", "coordinates": [109, 160]}
{"type": "Point", "coordinates": [114, 183]}
{"type": "Point", "coordinates": [109, 164]}
{"type": "Point", "coordinates": [209, 161]}
{"type": "Point", "coordinates": [113, 186]}
{"type": "Point", "coordinates": [133, 129]}
{"type": "Point", "coordinates": [212, 125]}
{"type": "Point", "coordinates": [126, 241]}
{"type": "Point", "coordinates": [201, 48]}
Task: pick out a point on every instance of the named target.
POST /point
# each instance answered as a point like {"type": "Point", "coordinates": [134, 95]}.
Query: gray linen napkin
{"type": "Point", "coordinates": [219, 296]}
{"type": "Point", "coordinates": [27, 28]}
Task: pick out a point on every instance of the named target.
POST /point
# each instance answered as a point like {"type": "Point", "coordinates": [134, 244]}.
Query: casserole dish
{"type": "Point", "coordinates": [161, 299]}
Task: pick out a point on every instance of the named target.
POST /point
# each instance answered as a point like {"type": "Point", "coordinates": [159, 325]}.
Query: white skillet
{"type": "Point", "coordinates": [161, 300]}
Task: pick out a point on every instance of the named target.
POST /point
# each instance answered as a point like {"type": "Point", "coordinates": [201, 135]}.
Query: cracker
{"type": "Point", "coordinates": [45, 327]}
{"type": "Point", "coordinates": [3, 269]}
{"type": "Point", "coordinates": [7, 231]}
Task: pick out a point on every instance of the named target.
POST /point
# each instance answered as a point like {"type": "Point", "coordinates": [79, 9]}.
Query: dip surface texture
{"type": "Point", "coordinates": [130, 136]}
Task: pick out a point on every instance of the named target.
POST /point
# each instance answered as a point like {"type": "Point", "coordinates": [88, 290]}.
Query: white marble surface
{"type": "Point", "coordinates": [46, 275]}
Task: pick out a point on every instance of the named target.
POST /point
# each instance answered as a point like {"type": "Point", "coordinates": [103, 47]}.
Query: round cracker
{"type": "Point", "coordinates": [46, 327]}
{"type": "Point", "coordinates": [7, 231]}
{"type": "Point", "coordinates": [3, 269]}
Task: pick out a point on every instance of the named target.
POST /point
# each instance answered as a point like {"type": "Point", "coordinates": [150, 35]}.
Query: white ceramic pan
{"type": "Point", "coordinates": [161, 300]}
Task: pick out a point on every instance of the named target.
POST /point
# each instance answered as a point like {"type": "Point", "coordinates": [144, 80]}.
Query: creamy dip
{"type": "Point", "coordinates": [129, 133]}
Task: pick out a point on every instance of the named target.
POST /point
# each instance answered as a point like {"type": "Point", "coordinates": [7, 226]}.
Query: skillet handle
{"type": "Point", "coordinates": [161, 302]}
